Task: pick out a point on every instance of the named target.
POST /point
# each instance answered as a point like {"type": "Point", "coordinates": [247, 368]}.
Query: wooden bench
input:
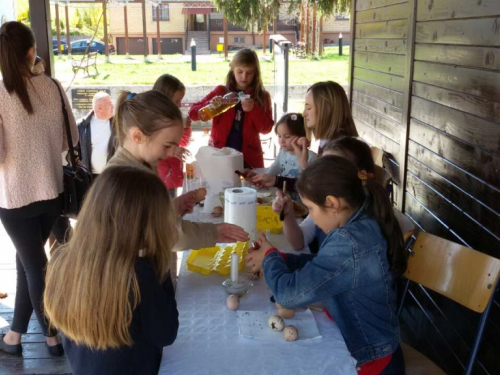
{"type": "Point", "coordinates": [89, 60]}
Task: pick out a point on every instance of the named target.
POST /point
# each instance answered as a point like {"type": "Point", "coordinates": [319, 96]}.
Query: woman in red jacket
{"type": "Point", "coordinates": [239, 127]}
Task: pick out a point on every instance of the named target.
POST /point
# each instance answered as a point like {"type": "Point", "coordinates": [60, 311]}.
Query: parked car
{"type": "Point", "coordinates": [64, 46]}
{"type": "Point", "coordinates": [80, 46]}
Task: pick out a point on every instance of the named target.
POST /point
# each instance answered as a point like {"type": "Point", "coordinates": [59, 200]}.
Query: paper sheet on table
{"type": "Point", "coordinates": [253, 324]}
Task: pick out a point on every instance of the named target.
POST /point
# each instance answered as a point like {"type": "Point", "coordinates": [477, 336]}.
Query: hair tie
{"type": "Point", "coordinates": [131, 95]}
{"type": "Point", "coordinates": [364, 175]}
{"type": "Point", "coordinates": [293, 117]}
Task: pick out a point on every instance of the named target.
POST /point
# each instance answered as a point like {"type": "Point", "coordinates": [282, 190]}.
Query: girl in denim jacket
{"type": "Point", "coordinates": [353, 275]}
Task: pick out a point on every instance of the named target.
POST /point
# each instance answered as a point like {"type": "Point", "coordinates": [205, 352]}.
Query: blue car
{"type": "Point", "coordinates": [78, 47]}
{"type": "Point", "coordinates": [64, 46]}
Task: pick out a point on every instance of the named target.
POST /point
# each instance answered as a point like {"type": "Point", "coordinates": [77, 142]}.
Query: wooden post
{"type": "Point", "coordinates": [308, 49]}
{"type": "Point", "coordinates": [58, 31]}
{"type": "Point", "coordinates": [302, 22]}
{"type": "Point", "coordinates": [144, 31]}
{"type": "Point", "coordinates": [275, 26]}
{"type": "Point", "coordinates": [264, 29]}
{"type": "Point", "coordinates": [224, 27]}
{"type": "Point", "coordinates": [158, 40]}
{"type": "Point", "coordinates": [68, 37]}
{"type": "Point", "coordinates": [105, 23]}
{"type": "Point", "coordinates": [125, 15]}
{"type": "Point", "coordinates": [40, 23]}
{"type": "Point", "coordinates": [313, 49]}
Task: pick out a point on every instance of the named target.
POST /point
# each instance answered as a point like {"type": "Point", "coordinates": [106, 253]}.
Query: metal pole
{"type": "Point", "coordinates": [193, 55]}
{"type": "Point", "coordinates": [340, 44]}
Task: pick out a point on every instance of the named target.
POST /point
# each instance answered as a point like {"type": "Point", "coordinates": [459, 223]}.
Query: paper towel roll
{"type": "Point", "coordinates": [240, 208]}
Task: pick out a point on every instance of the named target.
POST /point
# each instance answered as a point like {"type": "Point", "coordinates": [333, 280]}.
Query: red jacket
{"type": "Point", "coordinates": [258, 120]}
{"type": "Point", "coordinates": [170, 169]}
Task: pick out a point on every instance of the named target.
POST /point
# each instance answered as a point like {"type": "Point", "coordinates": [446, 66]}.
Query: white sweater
{"type": "Point", "coordinates": [31, 145]}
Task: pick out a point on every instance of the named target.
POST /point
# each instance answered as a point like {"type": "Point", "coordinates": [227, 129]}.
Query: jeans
{"type": "Point", "coordinates": [29, 228]}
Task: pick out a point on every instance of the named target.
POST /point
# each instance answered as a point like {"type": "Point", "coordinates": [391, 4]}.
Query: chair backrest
{"type": "Point", "coordinates": [406, 225]}
{"type": "Point", "coordinates": [378, 155]}
{"type": "Point", "coordinates": [459, 273]}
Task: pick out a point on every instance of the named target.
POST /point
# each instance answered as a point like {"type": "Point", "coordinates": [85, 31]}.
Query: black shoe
{"type": "Point", "coordinates": [55, 350]}
{"type": "Point", "coordinates": [10, 349]}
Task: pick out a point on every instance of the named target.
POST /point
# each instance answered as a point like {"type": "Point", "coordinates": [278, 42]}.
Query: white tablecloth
{"type": "Point", "coordinates": [208, 341]}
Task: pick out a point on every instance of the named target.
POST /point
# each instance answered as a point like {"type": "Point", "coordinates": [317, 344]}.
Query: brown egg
{"type": "Point", "coordinates": [285, 313]}
{"type": "Point", "coordinates": [200, 194]}
{"type": "Point", "coordinates": [217, 211]}
{"type": "Point", "coordinates": [290, 333]}
{"type": "Point", "coordinates": [276, 323]}
{"type": "Point", "coordinates": [232, 302]}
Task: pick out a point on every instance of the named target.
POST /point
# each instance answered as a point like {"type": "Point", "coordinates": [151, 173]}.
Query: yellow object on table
{"type": "Point", "coordinates": [269, 220]}
{"type": "Point", "coordinates": [216, 259]}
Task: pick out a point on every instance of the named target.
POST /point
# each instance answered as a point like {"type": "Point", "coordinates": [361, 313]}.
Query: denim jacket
{"type": "Point", "coordinates": [350, 276]}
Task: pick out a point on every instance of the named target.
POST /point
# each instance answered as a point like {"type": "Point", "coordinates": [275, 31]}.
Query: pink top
{"type": "Point", "coordinates": [31, 145]}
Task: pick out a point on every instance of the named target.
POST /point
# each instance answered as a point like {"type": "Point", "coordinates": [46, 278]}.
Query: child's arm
{"type": "Point", "coordinates": [186, 135]}
{"type": "Point", "coordinates": [158, 309]}
{"type": "Point", "coordinates": [262, 117]}
{"type": "Point", "coordinates": [291, 230]}
{"type": "Point", "coordinates": [193, 112]}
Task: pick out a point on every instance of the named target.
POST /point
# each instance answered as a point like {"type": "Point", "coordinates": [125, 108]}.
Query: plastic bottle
{"type": "Point", "coordinates": [219, 105]}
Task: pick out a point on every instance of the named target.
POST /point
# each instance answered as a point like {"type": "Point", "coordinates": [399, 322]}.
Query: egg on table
{"type": "Point", "coordinates": [217, 211]}
{"type": "Point", "coordinates": [232, 302]}
{"type": "Point", "coordinates": [276, 323]}
{"type": "Point", "coordinates": [290, 333]}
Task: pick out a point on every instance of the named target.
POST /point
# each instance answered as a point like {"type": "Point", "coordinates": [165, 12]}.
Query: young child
{"type": "Point", "coordinates": [354, 273]}
{"type": "Point", "coordinates": [170, 169]}
{"type": "Point", "coordinates": [327, 115]}
{"type": "Point", "coordinates": [108, 289]}
{"type": "Point", "coordinates": [289, 128]}
{"type": "Point", "coordinates": [149, 127]}
{"type": "Point", "coordinates": [239, 127]}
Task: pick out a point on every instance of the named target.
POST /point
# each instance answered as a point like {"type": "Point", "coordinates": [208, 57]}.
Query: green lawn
{"type": "Point", "coordinates": [130, 72]}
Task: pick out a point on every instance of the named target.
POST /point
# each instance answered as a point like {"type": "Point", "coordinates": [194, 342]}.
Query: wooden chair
{"type": "Point", "coordinates": [459, 273]}
{"type": "Point", "coordinates": [378, 156]}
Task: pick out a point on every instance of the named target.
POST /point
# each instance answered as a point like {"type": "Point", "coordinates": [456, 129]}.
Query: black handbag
{"type": "Point", "coordinates": [76, 178]}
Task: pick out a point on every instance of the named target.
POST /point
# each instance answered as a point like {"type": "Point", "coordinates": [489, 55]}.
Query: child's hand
{"type": "Point", "coordinates": [229, 233]}
{"type": "Point", "coordinates": [184, 203]}
{"type": "Point", "coordinates": [263, 180]}
{"type": "Point", "coordinates": [180, 153]}
{"type": "Point", "coordinates": [216, 99]}
{"type": "Point", "coordinates": [247, 104]}
{"type": "Point", "coordinates": [300, 150]}
{"type": "Point", "coordinates": [248, 173]}
{"type": "Point", "coordinates": [254, 259]}
{"type": "Point", "coordinates": [283, 201]}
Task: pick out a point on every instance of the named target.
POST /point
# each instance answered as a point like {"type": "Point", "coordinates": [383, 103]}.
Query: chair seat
{"type": "Point", "coordinates": [418, 364]}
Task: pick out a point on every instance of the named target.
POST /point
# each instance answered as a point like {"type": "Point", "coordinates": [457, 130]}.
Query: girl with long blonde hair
{"type": "Point", "coordinates": [108, 289]}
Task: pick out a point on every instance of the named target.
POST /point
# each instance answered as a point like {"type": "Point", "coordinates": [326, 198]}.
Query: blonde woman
{"type": "Point", "coordinates": [108, 290]}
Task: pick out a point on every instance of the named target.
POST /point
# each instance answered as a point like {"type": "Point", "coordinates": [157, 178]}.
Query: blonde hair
{"type": "Point", "coordinates": [333, 111]}
{"type": "Point", "coordinates": [247, 58]}
{"type": "Point", "coordinates": [149, 111]}
{"type": "Point", "coordinates": [91, 285]}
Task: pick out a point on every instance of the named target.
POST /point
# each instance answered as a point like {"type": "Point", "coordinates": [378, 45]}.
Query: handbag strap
{"type": "Point", "coordinates": [68, 130]}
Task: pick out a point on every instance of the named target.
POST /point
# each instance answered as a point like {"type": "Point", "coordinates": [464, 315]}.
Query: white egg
{"type": "Point", "coordinates": [290, 333]}
{"type": "Point", "coordinates": [276, 323]}
{"type": "Point", "coordinates": [232, 302]}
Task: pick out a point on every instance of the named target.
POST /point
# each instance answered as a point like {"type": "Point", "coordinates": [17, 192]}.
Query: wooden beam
{"type": "Point", "coordinates": [58, 30]}
{"type": "Point", "coordinates": [125, 16]}
{"type": "Point", "coordinates": [68, 37]}
{"type": "Point", "coordinates": [40, 24]}
{"type": "Point", "coordinates": [105, 23]}
{"type": "Point", "coordinates": [224, 27]}
{"type": "Point", "coordinates": [158, 40]}
{"type": "Point", "coordinates": [144, 30]}
{"type": "Point", "coordinates": [350, 78]}
{"type": "Point", "coordinates": [264, 29]}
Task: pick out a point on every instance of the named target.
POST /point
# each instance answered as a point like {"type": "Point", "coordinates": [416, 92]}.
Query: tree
{"type": "Point", "coordinates": [245, 13]}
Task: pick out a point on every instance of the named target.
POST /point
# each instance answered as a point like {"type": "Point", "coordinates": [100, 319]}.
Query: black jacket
{"type": "Point", "coordinates": [84, 147]}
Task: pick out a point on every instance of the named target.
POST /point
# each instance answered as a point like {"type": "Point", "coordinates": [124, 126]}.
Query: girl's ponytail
{"type": "Point", "coordinates": [379, 208]}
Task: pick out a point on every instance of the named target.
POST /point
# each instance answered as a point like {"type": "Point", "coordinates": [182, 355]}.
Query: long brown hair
{"type": "Point", "coordinates": [338, 177]}
{"type": "Point", "coordinates": [91, 285]}
{"type": "Point", "coordinates": [149, 111]}
{"type": "Point", "coordinates": [247, 58]}
{"type": "Point", "coordinates": [353, 149]}
{"type": "Point", "coordinates": [333, 111]}
{"type": "Point", "coordinates": [15, 41]}
{"type": "Point", "coordinates": [169, 85]}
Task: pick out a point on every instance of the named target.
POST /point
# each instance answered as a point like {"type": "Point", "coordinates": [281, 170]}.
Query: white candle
{"type": "Point", "coordinates": [234, 267]}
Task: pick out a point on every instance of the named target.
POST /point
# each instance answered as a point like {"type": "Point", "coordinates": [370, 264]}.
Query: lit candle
{"type": "Point", "coordinates": [234, 267]}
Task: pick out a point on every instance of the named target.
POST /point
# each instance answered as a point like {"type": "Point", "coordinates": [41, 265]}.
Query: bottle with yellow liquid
{"type": "Point", "coordinates": [220, 105]}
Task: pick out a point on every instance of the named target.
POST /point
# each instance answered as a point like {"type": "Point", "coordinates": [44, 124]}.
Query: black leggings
{"type": "Point", "coordinates": [29, 228]}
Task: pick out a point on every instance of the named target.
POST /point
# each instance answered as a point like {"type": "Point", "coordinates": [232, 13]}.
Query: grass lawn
{"type": "Point", "coordinates": [137, 72]}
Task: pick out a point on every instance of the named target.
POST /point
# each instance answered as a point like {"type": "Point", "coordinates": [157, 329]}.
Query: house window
{"type": "Point", "coordinates": [164, 12]}
{"type": "Point", "coordinates": [239, 39]}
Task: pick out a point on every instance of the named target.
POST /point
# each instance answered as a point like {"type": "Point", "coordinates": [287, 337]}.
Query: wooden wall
{"type": "Point", "coordinates": [425, 87]}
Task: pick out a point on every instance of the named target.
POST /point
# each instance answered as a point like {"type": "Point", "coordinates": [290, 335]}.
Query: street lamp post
{"type": "Point", "coordinates": [193, 55]}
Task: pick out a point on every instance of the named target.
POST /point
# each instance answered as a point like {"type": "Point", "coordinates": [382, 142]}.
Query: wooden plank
{"type": "Point", "coordinates": [385, 109]}
{"type": "Point", "coordinates": [425, 219]}
{"type": "Point", "coordinates": [464, 180]}
{"type": "Point", "coordinates": [368, 4]}
{"type": "Point", "coordinates": [473, 32]}
{"type": "Point", "coordinates": [471, 129]}
{"type": "Point", "coordinates": [383, 125]}
{"type": "Point", "coordinates": [468, 103]}
{"type": "Point", "coordinates": [470, 205]}
{"type": "Point", "coordinates": [388, 81]}
{"type": "Point", "coordinates": [452, 9]}
{"type": "Point", "coordinates": [457, 221]}
{"type": "Point", "coordinates": [385, 63]}
{"type": "Point", "coordinates": [351, 55]}
{"type": "Point", "coordinates": [392, 46]}
{"type": "Point", "coordinates": [382, 30]}
{"type": "Point", "coordinates": [483, 83]}
{"type": "Point", "coordinates": [380, 93]}
{"type": "Point", "coordinates": [482, 164]}
{"type": "Point", "coordinates": [474, 57]}
{"type": "Point", "coordinates": [373, 137]}
{"type": "Point", "coordinates": [386, 13]}
{"type": "Point", "coordinates": [15, 365]}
